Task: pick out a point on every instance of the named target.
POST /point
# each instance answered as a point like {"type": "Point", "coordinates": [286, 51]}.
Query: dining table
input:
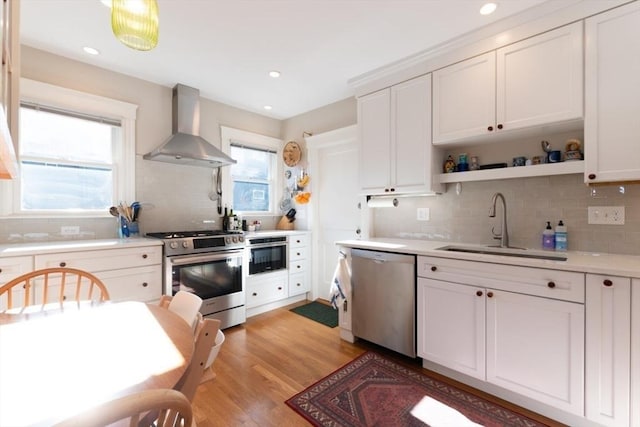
{"type": "Point", "coordinates": [57, 363]}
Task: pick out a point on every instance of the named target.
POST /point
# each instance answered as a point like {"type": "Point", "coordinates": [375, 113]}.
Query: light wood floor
{"type": "Point", "coordinates": [269, 359]}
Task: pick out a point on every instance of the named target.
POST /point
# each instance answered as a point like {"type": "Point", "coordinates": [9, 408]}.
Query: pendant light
{"type": "Point", "coordinates": [135, 23]}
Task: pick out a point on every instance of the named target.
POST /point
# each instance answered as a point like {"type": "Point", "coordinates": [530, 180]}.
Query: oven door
{"type": "Point", "coordinates": [208, 275]}
{"type": "Point", "coordinates": [267, 258]}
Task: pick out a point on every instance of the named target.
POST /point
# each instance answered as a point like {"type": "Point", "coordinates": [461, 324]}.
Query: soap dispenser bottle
{"type": "Point", "coordinates": [561, 237]}
{"type": "Point", "coordinates": [548, 238]}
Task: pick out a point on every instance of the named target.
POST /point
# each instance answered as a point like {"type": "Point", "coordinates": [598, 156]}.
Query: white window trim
{"type": "Point", "coordinates": [73, 100]}
{"type": "Point", "coordinates": [250, 139]}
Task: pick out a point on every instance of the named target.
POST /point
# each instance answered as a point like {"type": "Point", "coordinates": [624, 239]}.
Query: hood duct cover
{"type": "Point", "coordinates": [186, 146]}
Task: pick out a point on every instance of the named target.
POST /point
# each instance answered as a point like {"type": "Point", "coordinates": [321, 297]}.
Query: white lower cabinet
{"type": "Point", "coordinates": [266, 288]}
{"type": "Point", "coordinates": [10, 268]}
{"type": "Point", "coordinates": [473, 318]}
{"type": "Point", "coordinates": [608, 349]}
{"type": "Point", "coordinates": [299, 268]}
{"type": "Point", "coordinates": [635, 352]}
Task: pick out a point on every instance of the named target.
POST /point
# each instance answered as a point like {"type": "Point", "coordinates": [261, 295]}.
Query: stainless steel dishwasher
{"type": "Point", "coordinates": [383, 302]}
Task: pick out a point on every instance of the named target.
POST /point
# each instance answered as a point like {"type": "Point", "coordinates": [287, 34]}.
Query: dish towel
{"type": "Point", "coordinates": [341, 283]}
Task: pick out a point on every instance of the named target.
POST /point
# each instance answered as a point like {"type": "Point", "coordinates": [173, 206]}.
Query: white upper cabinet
{"type": "Point", "coordinates": [612, 96]}
{"type": "Point", "coordinates": [394, 125]}
{"type": "Point", "coordinates": [464, 99]}
{"type": "Point", "coordinates": [537, 81]}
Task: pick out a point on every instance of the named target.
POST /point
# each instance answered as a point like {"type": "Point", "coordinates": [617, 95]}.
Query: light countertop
{"type": "Point", "coordinates": [585, 262]}
{"type": "Point", "coordinates": [25, 249]}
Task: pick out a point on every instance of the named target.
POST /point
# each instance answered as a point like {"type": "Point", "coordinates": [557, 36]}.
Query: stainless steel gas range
{"type": "Point", "coordinates": [208, 264]}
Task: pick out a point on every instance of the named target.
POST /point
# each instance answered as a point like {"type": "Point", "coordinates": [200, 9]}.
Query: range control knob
{"type": "Point", "coordinates": [241, 239]}
{"type": "Point", "coordinates": [185, 244]}
{"type": "Point", "coordinates": [173, 245]}
{"type": "Point", "coordinates": [235, 239]}
{"type": "Point", "coordinates": [227, 239]}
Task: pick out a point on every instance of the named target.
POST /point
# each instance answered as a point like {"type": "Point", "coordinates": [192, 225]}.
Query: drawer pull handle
{"type": "Point", "coordinates": [297, 241]}
{"type": "Point", "coordinates": [297, 266]}
{"type": "Point", "coordinates": [607, 282]}
{"type": "Point", "coordinates": [500, 126]}
{"type": "Point", "coordinates": [0, 270]}
{"type": "Point", "coordinates": [434, 268]}
{"type": "Point", "coordinates": [145, 284]}
{"type": "Point", "coordinates": [144, 256]}
{"type": "Point", "coordinates": [479, 293]}
{"type": "Point", "coordinates": [255, 294]}
{"type": "Point", "coordinates": [298, 284]}
{"type": "Point", "coordinates": [490, 128]}
{"type": "Point", "coordinates": [551, 285]}
{"type": "Point", "coordinates": [279, 288]}
{"type": "Point", "coordinates": [298, 253]}
{"type": "Point", "coordinates": [63, 264]}
{"type": "Point", "coordinates": [592, 176]}
{"type": "Point", "coordinates": [490, 294]}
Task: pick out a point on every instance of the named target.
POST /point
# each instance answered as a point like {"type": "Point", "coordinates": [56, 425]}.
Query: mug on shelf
{"type": "Point", "coordinates": [519, 161]}
{"type": "Point", "coordinates": [555, 156]}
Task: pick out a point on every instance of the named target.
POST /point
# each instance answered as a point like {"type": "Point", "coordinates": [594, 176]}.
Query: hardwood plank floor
{"type": "Point", "coordinates": [274, 356]}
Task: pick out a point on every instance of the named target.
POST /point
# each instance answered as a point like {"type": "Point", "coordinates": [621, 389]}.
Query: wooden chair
{"type": "Point", "coordinates": [206, 333]}
{"type": "Point", "coordinates": [37, 290]}
{"type": "Point", "coordinates": [172, 407]}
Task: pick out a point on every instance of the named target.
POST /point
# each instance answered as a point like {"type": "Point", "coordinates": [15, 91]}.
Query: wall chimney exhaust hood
{"type": "Point", "coordinates": [186, 146]}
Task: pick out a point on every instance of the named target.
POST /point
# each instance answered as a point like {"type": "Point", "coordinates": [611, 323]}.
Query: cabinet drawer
{"type": "Point", "coordinates": [12, 267]}
{"type": "Point", "coordinates": [266, 290]}
{"type": "Point", "coordinates": [296, 253]}
{"type": "Point", "coordinates": [299, 240]}
{"type": "Point", "coordinates": [557, 284]}
{"type": "Point", "coordinates": [102, 260]}
{"type": "Point", "coordinates": [134, 284]}
{"type": "Point", "coordinates": [298, 284]}
{"type": "Point", "coordinates": [298, 266]}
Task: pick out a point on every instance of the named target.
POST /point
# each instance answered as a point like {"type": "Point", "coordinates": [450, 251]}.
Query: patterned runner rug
{"type": "Point", "coordinates": [374, 391]}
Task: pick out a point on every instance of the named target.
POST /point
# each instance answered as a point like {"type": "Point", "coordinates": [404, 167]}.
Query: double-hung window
{"type": "Point", "coordinates": [76, 153]}
{"type": "Point", "coordinates": [253, 183]}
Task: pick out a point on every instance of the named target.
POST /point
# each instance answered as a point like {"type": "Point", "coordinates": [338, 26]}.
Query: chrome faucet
{"type": "Point", "coordinates": [504, 235]}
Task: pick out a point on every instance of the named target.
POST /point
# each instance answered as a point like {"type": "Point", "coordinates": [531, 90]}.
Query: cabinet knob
{"type": "Point", "coordinates": [386, 190]}
{"type": "Point", "coordinates": [298, 253]}
{"type": "Point", "coordinates": [145, 284]}
{"type": "Point", "coordinates": [479, 293]}
{"type": "Point", "coordinates": [490, 128]}
{"type": "Point", "coordinates": [393, 189]}
{"type": "Point", "coordinates": [63, 264]}
{"type": "Point", "coordinates": [144, 256]}
{"type": "Point", "coordinates": [0, 270]}
{"type": "Point", "coordinates": [434, 268]}
{"type": "Point", "coordinates": [297, 241]}
{"type": "Point", "coordinates": [607, 282]}
{"type": "Point", "coordinates": [255, 294]}
{"type": "Point", "coordinates": [592, 176]}
{"type": "Point", "coordinates": [490, 294]}
{"type": "Point", "coordinates": [551, 285]}
{"type": "Point", "coordinates": [499, 126]}
{"type": "Point", "coordinates": [297, 266]}
{"type": "Point", "coordinates": [279, 288]}
{"type": "Point", "coordinates": [298, 284]}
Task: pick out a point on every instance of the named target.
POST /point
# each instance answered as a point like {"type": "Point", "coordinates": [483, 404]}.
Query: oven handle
{"type": "Point", "coordinates": [267, 245]}
{"type": "Point", "coordinates": [197, 259]}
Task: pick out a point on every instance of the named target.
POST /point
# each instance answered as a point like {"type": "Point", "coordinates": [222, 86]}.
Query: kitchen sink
{"type": "Point", "coordinates": [513, 252]}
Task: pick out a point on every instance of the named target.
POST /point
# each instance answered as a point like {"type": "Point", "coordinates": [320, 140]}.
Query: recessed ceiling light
{"type": "Point", "coordinates": [91, 51]}
{"type": "Point", "coordinates": [275, 74]}
{"type": "Point", "coordinates": [268, 107]}
{"type": "Point", "coordinates": [488, 8]}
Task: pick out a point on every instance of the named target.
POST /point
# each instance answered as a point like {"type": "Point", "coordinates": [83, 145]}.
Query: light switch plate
{"type": "Point", "coordinates": [423, 214]}
{"type": "Point", "coordinates": [607, 215]}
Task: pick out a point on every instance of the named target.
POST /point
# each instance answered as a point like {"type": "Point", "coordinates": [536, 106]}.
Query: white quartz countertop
{"type": "Point", "coordinates": [25, 249]}
{"type": "Point", "coordinates": [267, 233]}
{"type": "Point", "coordinates": [586, 262]}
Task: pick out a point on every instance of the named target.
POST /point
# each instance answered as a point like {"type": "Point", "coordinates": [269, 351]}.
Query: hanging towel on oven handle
{"type": "Point", "coordinates": [341, 282]}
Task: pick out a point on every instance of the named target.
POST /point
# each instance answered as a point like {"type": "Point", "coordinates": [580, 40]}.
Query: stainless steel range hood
{"type": "Point", "coordinates": [186, 146]}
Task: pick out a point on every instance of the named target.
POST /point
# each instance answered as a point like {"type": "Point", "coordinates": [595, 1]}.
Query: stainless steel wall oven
{"type": "Point", "coordinates": [267, 254]}
{"type": "Point", "coordinates": [208, 264]}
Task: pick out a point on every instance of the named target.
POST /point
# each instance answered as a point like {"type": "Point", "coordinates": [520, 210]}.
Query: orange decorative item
{"type": "Point", "coordinates": [303, 198]}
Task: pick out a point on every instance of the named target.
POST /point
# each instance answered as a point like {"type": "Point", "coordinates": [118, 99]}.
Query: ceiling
{"type": "Point", "coordinates": [226, 48]}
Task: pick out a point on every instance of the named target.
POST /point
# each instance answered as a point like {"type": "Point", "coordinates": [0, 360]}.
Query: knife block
{"type": "Point", "coordinates": [284, 224]}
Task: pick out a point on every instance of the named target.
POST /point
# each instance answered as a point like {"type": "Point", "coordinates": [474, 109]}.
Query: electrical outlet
{"type": "Point", "coordinates": [70, 230]}
{"type": "Point", "coordinates": [422, 214]}
{"type": "Point", "coordinates": [609, 215]}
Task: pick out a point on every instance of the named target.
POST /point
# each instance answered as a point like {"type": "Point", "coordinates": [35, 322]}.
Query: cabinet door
{"type": "Point", "coordinates": [374, 138]}
{"type": "Point", "coordinates": [411, 149]}
{"type": "Point", "coordinates": [10, 268]}
{"type": "Point", "coordinates": [535, 347]}
{"type": "Point", "coordinates": [456, 341]}
{"type": "Point", "coordinates": [607, 355]}
{"type": "Point", "coordinates": [635, 351]}
{"type": "Point", "coordinates": [464, 97]}
{"type": "Point", "coordinates": [539, 80]}
{"type": "Point", "coordinates": [612, 95]}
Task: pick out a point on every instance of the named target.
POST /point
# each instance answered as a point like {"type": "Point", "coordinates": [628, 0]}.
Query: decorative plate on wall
{"type": "Point", "coordinates": [291, 153]}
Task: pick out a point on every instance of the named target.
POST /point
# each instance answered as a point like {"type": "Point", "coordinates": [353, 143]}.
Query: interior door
{"type": "Point", "coordinates": [333, 165]}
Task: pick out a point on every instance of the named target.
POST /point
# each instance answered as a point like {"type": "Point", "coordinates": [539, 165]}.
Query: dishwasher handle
{"type": "Point", "coordinates": [382, 257]}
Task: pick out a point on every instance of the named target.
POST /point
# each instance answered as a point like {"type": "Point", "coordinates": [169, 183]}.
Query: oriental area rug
{"type": "Point", "coordinates": [374, 391]}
